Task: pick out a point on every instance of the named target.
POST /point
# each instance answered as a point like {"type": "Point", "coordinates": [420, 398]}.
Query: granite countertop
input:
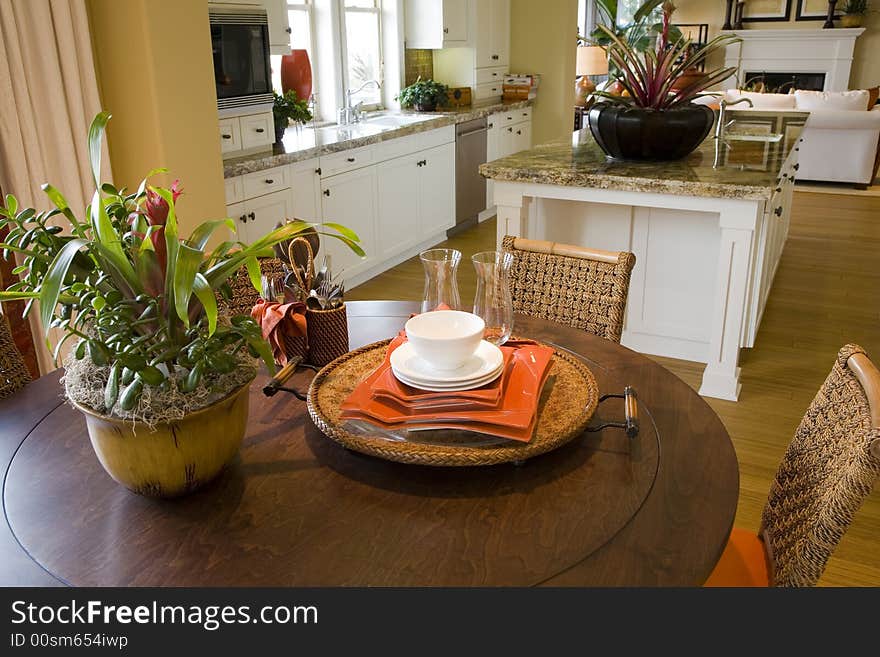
{"type": "Point", "coordinates": [749, 167]}
{"type": "Point", "coordinates": [304, 142]}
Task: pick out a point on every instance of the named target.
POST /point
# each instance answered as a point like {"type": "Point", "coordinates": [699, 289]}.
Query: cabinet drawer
{"type": "Point", "coordinates": [234, 190]}
{"type": "Point", "coordinates": [257, 130]}
{"type": "Point", "coordinates": [264, 182]}
{"type": "Point", "coordinates": [346, 161]}
{"type": "Point", "coordinates": [230, 135]}
{"type": "Point", "coordinates": [488, 90]}
{"type": "Point", "coordinates": [388, 150]}
{"type": "Point", "coordinates": [487, 75]}
{"type": "Point", "coordinates": [521, 115]}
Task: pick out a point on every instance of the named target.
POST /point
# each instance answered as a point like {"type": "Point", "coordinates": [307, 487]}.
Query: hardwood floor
{"type": "Point", "coordinates": [826, 294]}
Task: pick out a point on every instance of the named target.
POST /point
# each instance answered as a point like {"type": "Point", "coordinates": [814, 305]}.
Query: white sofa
{"type": "Point", "coordinates": [840, 137]}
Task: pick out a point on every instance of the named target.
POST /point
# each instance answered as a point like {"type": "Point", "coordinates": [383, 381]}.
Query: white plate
{"type": "Point", "coordinates": [485, 360]}
{"type": "Point", "coordinates": [457, 387]}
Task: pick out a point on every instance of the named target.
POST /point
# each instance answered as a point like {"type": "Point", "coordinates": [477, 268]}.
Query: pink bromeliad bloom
{"type": "Point", "coordinates": [156, 211]}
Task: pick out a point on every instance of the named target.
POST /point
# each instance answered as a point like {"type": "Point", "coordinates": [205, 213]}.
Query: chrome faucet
{"type": "Point", "coordinates": [721, 126]}
{"type": "Point", "coordinates": [349, 114]}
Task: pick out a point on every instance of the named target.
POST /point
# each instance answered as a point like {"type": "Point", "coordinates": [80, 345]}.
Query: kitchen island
{"type": "Point", "coordinates": [707, 231]}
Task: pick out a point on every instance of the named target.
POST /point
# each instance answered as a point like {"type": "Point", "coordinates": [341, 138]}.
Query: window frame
{"type": "Point", "coordinates": [344, 82]}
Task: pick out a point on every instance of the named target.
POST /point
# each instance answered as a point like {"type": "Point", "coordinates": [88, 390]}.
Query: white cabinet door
{"type": "Point", "coordinates": [305, 184]}
{"type": "Point", "coordinates": [436, 24]}
{"type": "Point", "coordinates": [350, 199]}
{"type": "Point", "coordinates": [500, 31]}
{"type": "Point", "coordinates": [493, 137]}
{"type": "Point", "coordinates": [483, 36]}
{"type": "Point", "coordinates": [230, 135]}
{"type": "Point", "coordinates": [522, 137]}
{"type": "Point", "coordinates": [237, 213]}
{"type": "Point", "coordinates": [257, 131]}
{"type": "Point", "coordinates": [506, 142]}
{"type": "Point", "coordinates": [437, 190]}
{"type": "Point", "coordinates": [397, 195]}
{"type": "Point", "coordinates": [455, 23]}
{"type": "Point", "coordinates": [265, 212]}
{"type": "Point", "coordinates": [279, 28]}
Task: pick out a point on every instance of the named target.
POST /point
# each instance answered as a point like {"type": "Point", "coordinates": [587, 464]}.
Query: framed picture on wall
{"type": "Point", "coordinates": [759, 11]}
{"type": "Point", "coordinates": [813, 10]}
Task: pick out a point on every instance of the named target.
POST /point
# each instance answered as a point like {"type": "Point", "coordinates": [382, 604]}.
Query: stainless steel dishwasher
{"type": "Point", "coordinates": [470, 186]}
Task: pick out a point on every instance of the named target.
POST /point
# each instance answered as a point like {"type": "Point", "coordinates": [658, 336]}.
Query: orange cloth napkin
{"type": "Point", "coordinates": [279, 321]}
{"type": "Point", "coordinates": [513, 415]}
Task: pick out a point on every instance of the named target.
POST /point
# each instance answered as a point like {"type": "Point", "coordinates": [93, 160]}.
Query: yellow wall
{"type": "Point", "coordinates": [156, 77]}
{"type": "Point", "coordinates": [866, 58]}
{"type": "Point", "coordinates": [543, 40]}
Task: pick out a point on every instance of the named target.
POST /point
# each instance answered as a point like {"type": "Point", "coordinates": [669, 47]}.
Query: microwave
{"type": "Point", "coordinates": [240, 47]}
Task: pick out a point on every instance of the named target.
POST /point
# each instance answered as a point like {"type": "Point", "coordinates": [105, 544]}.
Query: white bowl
{"type": "Point", "coordinates": [445, 339]}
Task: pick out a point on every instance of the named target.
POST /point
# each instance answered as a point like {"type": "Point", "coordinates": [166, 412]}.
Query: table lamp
{"type": "Point", "coordinates": [591, 60]}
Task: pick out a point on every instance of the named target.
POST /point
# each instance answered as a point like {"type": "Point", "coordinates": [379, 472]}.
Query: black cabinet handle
{"type": "Point", "coordinates": [519, 132]}
{"type": "Point", "coordinates": [243, 218]}
{"type": "Point", "coordinates": [259, 130]}
{"type": "Point", "coordinates": [226, 136]}
{"type": "Point", "coordinates": [288, 30]}
{"type": "Point", "coordinates": [778, 189]}
{"type": "Point", "coordinates": [269, 181]}
{"type": "Point", "coordinates": [495, 75]}
{"type": "Point", "coordinates": [445, 30]}
{"type": "Point", "coordinates": [318, 171]}
{"type": "Point", "coordinates": [785, 175]}
{"type": "Point", "coordinates": [326, 192]}
{"type": "Point", "coordinates": [252, 216]}
{"type": "Point", "coordinates": [494, 56]}
{"type": "Point", "coordinates": [350, 159]}
{"type": "Point", "coordinates": [491, 125]}
{"type": "Point", "coordinates": [796, 166]}
{"type": "Point", "coordinates": [778, 211]}
{"type": "Point", "coordinates": [510, 130]}
{"type": "Point", "coordinates": [494, 89]}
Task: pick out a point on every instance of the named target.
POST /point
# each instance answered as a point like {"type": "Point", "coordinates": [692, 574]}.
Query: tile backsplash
{"type": "Point", "coordinates": [418, 62]}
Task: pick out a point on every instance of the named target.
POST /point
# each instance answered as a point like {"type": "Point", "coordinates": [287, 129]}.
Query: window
{"type": "Point", "coordinates": [362, 49]}
{"type": "Point", "coordinates": [302, 36]}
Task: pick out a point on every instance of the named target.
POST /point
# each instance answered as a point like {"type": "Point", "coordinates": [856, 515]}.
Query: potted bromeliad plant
{"type": "Point", "coordinates": [424, 95]}
{"type": "Point", "coordinates": [655, 119]}
{"type": "Point", "coordinates": [160, 373]}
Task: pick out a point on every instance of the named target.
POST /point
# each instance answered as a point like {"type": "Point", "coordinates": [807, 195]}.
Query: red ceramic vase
{"type": "Point", "coordinates": [296, 73]}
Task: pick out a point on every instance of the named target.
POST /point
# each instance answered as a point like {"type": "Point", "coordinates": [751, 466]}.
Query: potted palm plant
{"type": "Point", "coordinates": [160, 374]}
{"type": "Point", "coordinates": [854, 13]}
{"type": "Point", "coordinates": [654, 119]}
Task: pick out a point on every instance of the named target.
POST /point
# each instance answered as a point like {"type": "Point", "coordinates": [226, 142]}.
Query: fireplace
{"type": "Point", "coordinates": [782, 83]}
{"type": "Point", "coordinates": [818, 59]}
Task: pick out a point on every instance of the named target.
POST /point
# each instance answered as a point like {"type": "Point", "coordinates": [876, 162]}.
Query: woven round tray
{"type": "Point", "coordinates": [567, 404]}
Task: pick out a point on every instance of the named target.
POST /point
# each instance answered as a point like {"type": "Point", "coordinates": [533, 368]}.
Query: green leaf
{"type": "Point", "coordinates": [11, 205]}
{"type": "Point", "coordinates": [54, 279]}
{"type": "Point", "coordinates": [254, 273]}
{"type": "Point", "coordinates": [342, 230]}
{"type": "Point", "coordinates": [111, 390]}
{"type": "Point", "coordinates": [131, 394]}
{"type": "Point", "coordinates": [96, 137]}
{"type": "Point", "coordinates": [152, 375]}
{"type": "Point", "coordinates": [188, 262]}
{"type": "Point", "coordinates": [108, 238]}
{"type": "Point", "coordinates": [200, 236]}
{"type": "Point", "coordinates": [143, 186]}
{"type": "Point", "coordinates": [205, 295]}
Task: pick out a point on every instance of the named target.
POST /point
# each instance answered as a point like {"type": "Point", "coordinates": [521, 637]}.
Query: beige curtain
{"type": "Point", "coordinates": [49, 95]}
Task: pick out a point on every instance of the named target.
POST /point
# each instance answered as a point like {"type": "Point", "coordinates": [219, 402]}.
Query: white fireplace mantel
{"type": "Point", "coordinates": [795, 51]}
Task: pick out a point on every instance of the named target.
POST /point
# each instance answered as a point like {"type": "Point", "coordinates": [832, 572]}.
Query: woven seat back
{"type": "Point", "coordinates": [244, 296]}
{"type": "Point", "coordinates": [828, 470]}
{"type": "Point", "coordinates": [576, 290]}
{"type": "Point", "coordinates": [14, 373]}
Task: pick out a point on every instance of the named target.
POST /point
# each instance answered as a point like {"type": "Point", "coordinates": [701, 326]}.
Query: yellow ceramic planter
{"type": "Point", "coordinates": [175, 458]}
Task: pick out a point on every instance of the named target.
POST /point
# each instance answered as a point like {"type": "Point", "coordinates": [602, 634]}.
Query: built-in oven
{"type": "Point", "coordinates": [240, 44]}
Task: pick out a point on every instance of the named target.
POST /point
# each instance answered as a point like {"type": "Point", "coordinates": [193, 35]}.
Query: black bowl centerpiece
{"type": "Point", "coordinates": [653, 118]}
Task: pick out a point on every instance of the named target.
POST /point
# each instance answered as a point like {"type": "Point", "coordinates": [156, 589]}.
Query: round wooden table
{"type": "Point", "coordinates": [296, 509]}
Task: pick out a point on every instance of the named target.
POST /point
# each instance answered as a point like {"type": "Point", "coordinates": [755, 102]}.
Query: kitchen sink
{"type": "Point", "coordinates": [396, 120]}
